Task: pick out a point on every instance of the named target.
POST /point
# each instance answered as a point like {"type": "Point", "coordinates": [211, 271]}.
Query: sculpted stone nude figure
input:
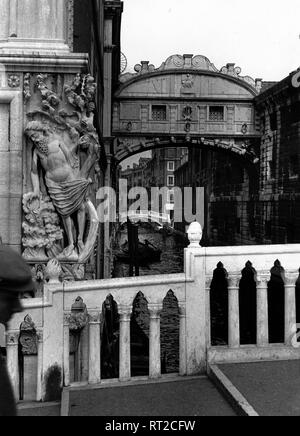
{"type": "Point", "coordinates": [67, 184]}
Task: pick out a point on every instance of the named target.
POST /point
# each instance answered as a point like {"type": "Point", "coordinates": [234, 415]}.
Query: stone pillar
{"type": "Point", "coordinates": [208, 311]}
{"type": "Point", "coordinates": [95, 348]}
{"type": "Point", "coordinates": [39, 366]}
{"type": "Point", "coordinates": [12, 342]}
{"type": "Point", "coordinates": [262, 310]}
{"type": "Point", "coordinates": [290, 307]}
{"type": "Point", "coordinates": [125, 351]}
{"type": "Point", "coordinates": [67, 349]}
{"type": "Point", "coordinates": [196, 338]}
{"type": "Point", "coordinates": [154, 340]}
{"type": "Point", "coordinates": [53, 354]}
{"type": "Point", "coordinates": [107, 223]}
{"type": "Point", "coordinates": [233, 312]}
{"type": "Point", "coordinates": [34, 26]}
{"type": "Point", "coordinates": [11, 147]}
{"type": "Point", "coordinates": [182, 339]}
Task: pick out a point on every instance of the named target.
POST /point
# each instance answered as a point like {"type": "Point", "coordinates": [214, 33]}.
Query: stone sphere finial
{"type": "Point", "coordinates": [195, 234]}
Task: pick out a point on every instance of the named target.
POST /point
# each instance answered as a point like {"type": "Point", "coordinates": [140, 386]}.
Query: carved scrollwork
{"type": "Point", "coordinates": [26, 87]}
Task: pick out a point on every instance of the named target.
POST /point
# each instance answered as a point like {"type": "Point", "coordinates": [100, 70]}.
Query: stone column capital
{"type": "Point", "coordinates": [12, 338]}
{"type": "Point", "coordinates": [208, 281]}
{"type": "Point", "coordinates": [94, 318]}
{"type": "Point", "coordinates": [262, 280]}
{"type": "Point", "coordinates": [291, 278]}
{"type": "Point", "coordinates": [67, 319]}
{"type": "Point", "coordinates": [234, 282]}
{"type": "Point", "coordinates": [155, 310]}
{"type": "Point", "coordinates": [125, 312]}
{"type": "Point", "coordinates": [182, 309]}
{"type": "Point", "coordinates": [40, 335]}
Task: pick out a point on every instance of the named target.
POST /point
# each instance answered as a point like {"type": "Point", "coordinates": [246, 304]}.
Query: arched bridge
{"type": "Point", "coordinates": [145, 216]}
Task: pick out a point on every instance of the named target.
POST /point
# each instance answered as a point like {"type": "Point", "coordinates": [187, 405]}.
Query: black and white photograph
{"type": "Point", "coordinates": [149, 211]}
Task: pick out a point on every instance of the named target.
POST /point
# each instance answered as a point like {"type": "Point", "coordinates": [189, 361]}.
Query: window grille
{"type": "Point", "coordinates": [216, 113]}
{"type": "Point", "coordinates": [159, 113]}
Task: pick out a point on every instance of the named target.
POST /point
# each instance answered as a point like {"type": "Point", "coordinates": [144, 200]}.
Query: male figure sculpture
{"type": "Point", "coordinates": [67, 184]}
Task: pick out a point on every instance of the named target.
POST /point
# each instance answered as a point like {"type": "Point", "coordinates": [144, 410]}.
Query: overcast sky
{"type": "Point", "coordinates": [260, 36]}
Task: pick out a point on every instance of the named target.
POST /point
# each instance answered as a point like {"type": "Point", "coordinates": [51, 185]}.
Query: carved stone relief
{"type": "Point", "coordinates": [65, 154]}
{"type": "Point", "coordinates": [28, 337]}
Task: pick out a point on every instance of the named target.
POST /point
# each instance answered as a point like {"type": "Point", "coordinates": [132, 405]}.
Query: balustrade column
{"type": "Point", "coordinates": [95, 348]}
{"type": "Point", "coordinates": [290, 307]}
{"type": "Point", "coordinates": [262, 310]}
{"type": "Point", "coordinates": [39, 392]}
{"type": "Point", "coordinates": [125, 351]}
{"type": "Point", "coordinates": [182, 340]}
{"type": "Point", "coordinates": [233, 312]}
{"type": "Point", "coordinates": [12, 348]}
{"type": "Point", "coordinates": [66, 350]}
{"type": "Point", "coordinates": [155, 346]}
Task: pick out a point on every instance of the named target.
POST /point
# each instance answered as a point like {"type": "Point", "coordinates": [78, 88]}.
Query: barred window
{"type": "Point", "coordinates": [159, 113]}
{"type": "Point", "coordinates": [216, 113]}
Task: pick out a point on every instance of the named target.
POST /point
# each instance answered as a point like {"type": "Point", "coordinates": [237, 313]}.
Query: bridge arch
{"type": "Point", "coordinates": [186, 102]}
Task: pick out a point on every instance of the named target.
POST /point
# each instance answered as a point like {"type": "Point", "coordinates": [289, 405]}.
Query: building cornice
{"type": "Point", "coordinates": [59, 63]}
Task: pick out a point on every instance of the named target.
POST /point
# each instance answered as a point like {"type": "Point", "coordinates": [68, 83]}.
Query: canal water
{"type": "Point", "coordinates": [172, 262]}
{"type": "Point", "coordinates": [172, 247]}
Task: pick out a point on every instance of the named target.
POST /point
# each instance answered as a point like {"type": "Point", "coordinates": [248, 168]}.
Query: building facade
{"type": "Point", "coordinates": [254, 205]}
{"type": "Point", "coordinates": [60, 63]}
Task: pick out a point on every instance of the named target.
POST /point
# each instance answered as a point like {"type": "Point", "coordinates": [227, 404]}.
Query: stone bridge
{"type": "Point", "coordinates": [145, 216]}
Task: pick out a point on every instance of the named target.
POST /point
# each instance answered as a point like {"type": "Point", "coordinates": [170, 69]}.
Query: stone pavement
{"type": "Point", "coordinates": [195, 396]}
{"type": "Point", "coordinates": [271, 388]}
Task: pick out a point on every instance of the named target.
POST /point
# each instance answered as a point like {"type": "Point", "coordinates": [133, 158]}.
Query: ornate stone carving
{"type": "Point", "coordinates": [190, 62]}
{"type": "Point", "coordinates": [125, 147]}
{"type": "Point", "coordinates": [187, 82]}
{"type": "Point", "coordinates": [79, 316]}
{"type": "Point", "coordinates": [38, 274]}
{"type": "Point", "coordinates": [42, 232]}
{"type": "Point", "coordinates": [50, 100]}
{"type": "Point", "coordinates": [53, 271]}
{"type": "Point", "coordinates": [26, 87]}
{"type": "Point", "coordinates": [28, 337]}
{"type": "Point", "coordinates": [187, 113]}
{"type": "Point", "coordinates": [14, 80]}
{"type": "Point", "coordinates": [67, 147]}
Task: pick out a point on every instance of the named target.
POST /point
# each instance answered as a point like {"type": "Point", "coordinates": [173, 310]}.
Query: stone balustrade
{"type": "Point", "coordinates": [54, 316]}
